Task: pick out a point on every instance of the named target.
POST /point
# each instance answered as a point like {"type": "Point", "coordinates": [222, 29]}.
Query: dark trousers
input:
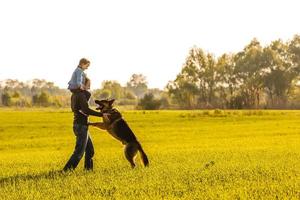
{"type": "Point", "coordinates": [83, 145]}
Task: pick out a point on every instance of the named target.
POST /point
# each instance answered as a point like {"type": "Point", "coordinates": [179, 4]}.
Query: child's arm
{"type": "Point", "coordinates": [79, 79]}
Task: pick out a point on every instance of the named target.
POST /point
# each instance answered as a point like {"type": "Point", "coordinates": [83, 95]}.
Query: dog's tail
{"type": "Point", "coordinates": [143, 155]}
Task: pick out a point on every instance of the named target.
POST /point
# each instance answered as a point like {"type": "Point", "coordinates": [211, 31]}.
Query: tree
{"type": "Point", "coordinates": [129, 95]}
{"type": "Point", "coordinates": [209, 77]}
{"type": "Point", "coordinates": [16, 94]}
{"type": "Point", "coordinates": [148, 102]}
{"type": "Point", "coordinates": [195, 85]}
{"type": "Point", "coordinates": [280, 73]}
{"type": "Point", "coordinates": [249, 72]}
{"type": "Point", "coordinates": [116, 90]}
{"type": "Point", "coordinates": [41, 99]}
{"type": "Point", "coordinates": [6, 99]}
{"type": "Point", "coordinates": [294, 52]}
{"type": "Point", "coordinates": [184, 89]}
{"type": "Point", "coordinates": [183, 92]}
{"type": "Point", "coordinates": [137, 84]}
{"type": "Point", "coordinates": [226, 80]}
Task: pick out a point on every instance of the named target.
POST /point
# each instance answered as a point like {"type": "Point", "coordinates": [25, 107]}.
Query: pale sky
{"type": "Point", "coordinates": [45, 39]}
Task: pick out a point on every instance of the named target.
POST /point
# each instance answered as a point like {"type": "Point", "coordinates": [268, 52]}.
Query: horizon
{"type": "Point", "coordinates": [45, 40]}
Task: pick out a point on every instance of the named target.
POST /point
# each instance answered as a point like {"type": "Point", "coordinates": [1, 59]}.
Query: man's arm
{"type": "Point", "coordinates": [84, 107]}
{"type": "Point", "coordinates": [100, 125]}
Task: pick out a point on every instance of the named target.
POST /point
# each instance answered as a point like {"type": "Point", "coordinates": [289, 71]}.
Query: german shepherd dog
{"type": "Point", "coordinates": [119, 129]}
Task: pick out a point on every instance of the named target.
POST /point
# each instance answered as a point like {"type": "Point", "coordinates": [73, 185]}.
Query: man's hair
{"type": "Point", "coordinates": [83, 61]}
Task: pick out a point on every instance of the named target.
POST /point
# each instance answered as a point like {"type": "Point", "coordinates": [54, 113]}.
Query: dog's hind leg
{"type": "Point", "coordinates": [130, 151]}
{"type": "Point", "coordinates": [144, 157]}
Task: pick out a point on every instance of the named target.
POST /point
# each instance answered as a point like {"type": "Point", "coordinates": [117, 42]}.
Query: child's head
{"type": "Point", "coordinates": [84, 63]}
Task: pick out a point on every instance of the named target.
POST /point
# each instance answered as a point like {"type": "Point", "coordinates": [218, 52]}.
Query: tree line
{"type": "Point", "coordinates": [32, 93]}
{"type": "Point", "coordinates": [42, 93]}
{"type": "Point", "coordinates": [256, 77]}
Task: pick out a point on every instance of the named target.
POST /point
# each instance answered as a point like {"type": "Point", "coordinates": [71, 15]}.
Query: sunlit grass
{"type": "Point", "coordinates": [211, 154]}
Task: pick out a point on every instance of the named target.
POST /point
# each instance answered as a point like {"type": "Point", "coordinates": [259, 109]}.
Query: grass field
{"type": "Point", "coordinates": [193, 155]}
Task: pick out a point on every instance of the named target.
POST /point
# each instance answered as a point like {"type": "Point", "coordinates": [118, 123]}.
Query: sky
{"type": "Point", "coordinates": [45, 39]}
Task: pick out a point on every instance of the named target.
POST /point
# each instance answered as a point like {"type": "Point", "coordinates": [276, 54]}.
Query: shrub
{"type": "Point", "coordinates": [148, 102]}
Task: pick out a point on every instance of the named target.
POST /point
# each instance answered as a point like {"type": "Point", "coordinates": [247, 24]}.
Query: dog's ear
{"type": "Point", "coordinates": [99, 103]}
{"type": "Point", "coordinates": [111, 101]}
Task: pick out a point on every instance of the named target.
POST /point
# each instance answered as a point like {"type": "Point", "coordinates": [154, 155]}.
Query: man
{"type": "Point", "coordinates": [81, 110]}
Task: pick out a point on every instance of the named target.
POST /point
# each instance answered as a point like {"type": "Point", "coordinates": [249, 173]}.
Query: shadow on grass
{"type": "Point", "coordinates": [36, 177]}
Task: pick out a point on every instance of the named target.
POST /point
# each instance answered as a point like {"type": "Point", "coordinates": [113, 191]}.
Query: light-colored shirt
{"type": "Point", "coordinates": [78, 79]}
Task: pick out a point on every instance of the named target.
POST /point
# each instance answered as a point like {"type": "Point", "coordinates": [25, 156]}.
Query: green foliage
{"type": "Point", "coordinates": [148, 102]}
{"type": "Point", "coordinates": [280, 73]}
{"type": "Point", "coordinates": [102, 94]}
{"type": "Point", "coordinates": [248, 70]}
{"type": "Point", "coordinates": [114, 87]}
{"type": "Point", "coordinates": [36, 92]}
{"type": "Point", "coordinates": [137, 84]}
{"type": "Point", "coordinates": [210, 154]}
{"type": "Point", "coordinates": [6, 99]}
{"type": "Point", "coordinates": [128, 95]}
{"type": "Point", "coordinates": [255, 77]}
{"type": "Point", "coordinates": [16, 95]}
{"type": "Point", "coordinates": [41, 99]}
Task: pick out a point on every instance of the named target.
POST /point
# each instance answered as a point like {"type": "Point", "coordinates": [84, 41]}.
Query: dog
{"type": "Point", "coordinates": [119, 129]}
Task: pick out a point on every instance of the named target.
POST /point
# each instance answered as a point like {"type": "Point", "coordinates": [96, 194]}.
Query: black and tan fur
{"type": "Point", "coordinates": [119, 129]}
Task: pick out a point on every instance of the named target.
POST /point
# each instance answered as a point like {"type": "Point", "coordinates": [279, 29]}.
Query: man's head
{"type": "Point", "coordinates": [87, 94]}
{"type": "Point", "coordinates": [84, 63]}
{"type": "Point", "coordinates": [104, 105]}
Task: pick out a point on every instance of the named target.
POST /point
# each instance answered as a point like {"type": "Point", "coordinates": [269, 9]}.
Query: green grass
{"type": "Point", "coordinates": [193, 155]}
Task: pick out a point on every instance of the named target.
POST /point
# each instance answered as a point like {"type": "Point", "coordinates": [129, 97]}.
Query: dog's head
{"type": "Point", "coordinates": [105, 104]}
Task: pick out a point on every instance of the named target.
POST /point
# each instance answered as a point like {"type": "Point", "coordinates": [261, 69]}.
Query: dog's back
{"type": "Point", "coordinates": [123, 132]}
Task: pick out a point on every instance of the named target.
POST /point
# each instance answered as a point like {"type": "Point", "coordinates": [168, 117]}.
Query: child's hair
{"type": "Point", "coordinates": [83, 61]}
